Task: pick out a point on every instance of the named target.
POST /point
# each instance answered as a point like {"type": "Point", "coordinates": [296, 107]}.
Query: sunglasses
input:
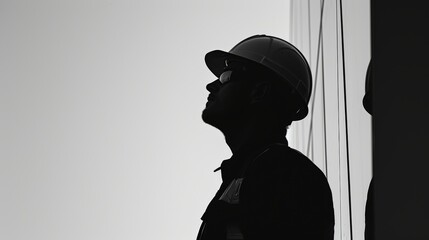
{"type": "Point", "coordinates": [232, 70]}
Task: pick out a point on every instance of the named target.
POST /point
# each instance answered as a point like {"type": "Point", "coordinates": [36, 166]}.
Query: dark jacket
{"type": "Point", "coordinates": [274, 193]}
{"type": "Point", "coordinates": [369, 212]}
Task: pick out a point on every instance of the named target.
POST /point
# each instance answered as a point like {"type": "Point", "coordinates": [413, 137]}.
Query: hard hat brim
{"type": "Point", "coordinates": [215, 60]}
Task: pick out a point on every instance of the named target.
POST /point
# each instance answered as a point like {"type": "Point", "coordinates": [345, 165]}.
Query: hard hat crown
{"type": "Point", "coordinates": [276, 55]}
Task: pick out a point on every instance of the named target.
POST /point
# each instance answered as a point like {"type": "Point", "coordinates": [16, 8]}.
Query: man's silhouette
{"type": "Point", "coordinates": [269, 190]}
{"type": "Point", "coordinates": [369, 208]}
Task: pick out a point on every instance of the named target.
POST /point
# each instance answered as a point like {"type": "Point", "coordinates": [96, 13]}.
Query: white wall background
{"type": "Point", "coordinates": [334, 35]}
{"type": "Point", "coordinates": [100, 103]}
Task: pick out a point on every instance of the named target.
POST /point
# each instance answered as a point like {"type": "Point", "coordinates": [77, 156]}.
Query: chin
{"type": "Point", "coordinates": [209, 118]}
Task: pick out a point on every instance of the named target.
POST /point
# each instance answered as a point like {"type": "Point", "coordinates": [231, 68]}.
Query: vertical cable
{"type": "Point", "coordinates": [338, 119]}
{"type": "Point", "coordinates": [346, 120]}
{"type": "Point", "coordinates": [310, 134]}
{"type": "Point", "coordinates": [324, 109]}
{"type": "Point", "coordinates": [309, 33]}
{"type": "Point", "coordinates": [291, 20]}
{"type": "Point", "coordinates": [292, 38]}
{"type": "Point", "coordinates": [310, 59]}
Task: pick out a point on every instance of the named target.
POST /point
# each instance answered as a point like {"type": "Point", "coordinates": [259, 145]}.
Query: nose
{"type": "Point", "coordinates": [214, 86]}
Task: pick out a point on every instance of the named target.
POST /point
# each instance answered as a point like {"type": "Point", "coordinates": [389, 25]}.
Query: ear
{"type": "Point", "coordinates": [260, 92]}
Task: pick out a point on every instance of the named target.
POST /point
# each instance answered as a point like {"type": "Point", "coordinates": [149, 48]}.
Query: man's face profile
{"type": "Point", "coordinates": [226, 102]}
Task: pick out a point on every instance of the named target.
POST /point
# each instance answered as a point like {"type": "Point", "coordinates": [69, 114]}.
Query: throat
{"type": "Point", "coordinates": [248, 142]}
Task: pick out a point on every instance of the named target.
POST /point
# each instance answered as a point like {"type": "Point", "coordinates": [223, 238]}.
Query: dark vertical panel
{"type": "Point", "coordinates": [401, 118]}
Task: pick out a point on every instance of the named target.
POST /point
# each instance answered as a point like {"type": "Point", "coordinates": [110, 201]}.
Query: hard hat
{"type": "Point", "coordinates": [367, 99]}
{"type": "Point", "coordinates": [276, 55]}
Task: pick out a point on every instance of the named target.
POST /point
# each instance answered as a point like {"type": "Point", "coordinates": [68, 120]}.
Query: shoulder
{"type": "Point", "coordinates": [284, 156]}
{"type": "Point", "coordinates": [281, 161]}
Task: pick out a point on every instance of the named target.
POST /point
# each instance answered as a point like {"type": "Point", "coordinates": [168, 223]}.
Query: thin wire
{"type": "Point", "coordinates": [324, 109]}
{"type": "Point", "coordinates": [346, 120]}
{"type": "Point", "coordinates": [291, 17]}
{"type": "Point", "coordinates": [309, 32]}
{"type": "Point", "coordinates": [310, 150]}
{"type": "Point", "coordinates": [338, 119]}
{"type": "Point", "coordinates": [301, 11]}
{"type": "Point", "coordinates": [310, 134]}
{"type": "Point", "coordinates": [310, 58]}
{"type": "Point", "coordinates": [312, 146]}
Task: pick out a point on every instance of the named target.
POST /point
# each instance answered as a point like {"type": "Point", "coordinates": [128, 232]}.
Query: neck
{"type": "Point", "coordinates": [253, 135]}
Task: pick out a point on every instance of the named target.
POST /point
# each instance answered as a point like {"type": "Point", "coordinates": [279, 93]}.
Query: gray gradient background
{"type": "Point", "coordinates": [100, 103]}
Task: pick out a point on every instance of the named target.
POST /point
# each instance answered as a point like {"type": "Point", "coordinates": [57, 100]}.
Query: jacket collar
{"type": "Point", "coordinates": [230, 168]}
